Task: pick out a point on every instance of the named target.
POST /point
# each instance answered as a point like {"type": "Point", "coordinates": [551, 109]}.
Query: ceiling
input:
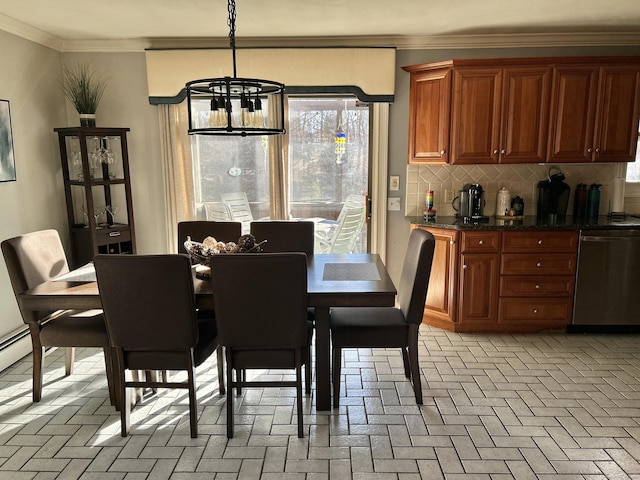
{"type": "Point", "coordinates": [76, 25]}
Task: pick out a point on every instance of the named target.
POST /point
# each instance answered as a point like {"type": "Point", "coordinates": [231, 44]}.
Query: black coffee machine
{"type": "Point", "coordinates": [472, 203]}
{"type": "Point", "coordinates": [553, 197]}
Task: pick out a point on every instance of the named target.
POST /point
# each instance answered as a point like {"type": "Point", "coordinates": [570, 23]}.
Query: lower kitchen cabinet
{"type": "Point", "coordinates": [501, 281]}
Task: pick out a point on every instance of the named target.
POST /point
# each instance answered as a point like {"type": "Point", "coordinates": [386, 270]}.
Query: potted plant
{"type": "Point", "coordinates": [84, 89]}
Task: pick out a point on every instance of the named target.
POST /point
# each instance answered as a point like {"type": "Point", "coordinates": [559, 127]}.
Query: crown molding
{"type": "Point", "coordinates": [22, 30]}
{"type": "Point", "coordinates": [400, 42]}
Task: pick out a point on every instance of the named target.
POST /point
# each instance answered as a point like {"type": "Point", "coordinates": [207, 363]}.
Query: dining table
{"type": "Point", "coordinates": [333, 280]}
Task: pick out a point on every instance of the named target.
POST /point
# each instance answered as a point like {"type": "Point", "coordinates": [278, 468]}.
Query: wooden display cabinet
{"type": "Point", "coordinates": [95, 170]}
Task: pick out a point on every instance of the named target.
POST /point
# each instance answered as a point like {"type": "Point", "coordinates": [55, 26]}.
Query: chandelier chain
{"type": "Point", "coordinates": [231, 22]}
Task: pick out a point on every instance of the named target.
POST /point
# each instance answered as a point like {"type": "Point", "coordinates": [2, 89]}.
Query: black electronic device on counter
{"type": "Point", "coordinates": [553, 197]}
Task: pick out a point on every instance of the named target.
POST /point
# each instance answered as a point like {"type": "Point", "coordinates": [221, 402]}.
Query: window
{"type": "Point", "coordinates": [633, 169]}
{"type": "Point", "coordinates": [323, 169]}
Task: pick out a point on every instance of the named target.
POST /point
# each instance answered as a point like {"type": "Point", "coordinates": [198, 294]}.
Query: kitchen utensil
{"type": "Point", "coordinates": [503, 202]}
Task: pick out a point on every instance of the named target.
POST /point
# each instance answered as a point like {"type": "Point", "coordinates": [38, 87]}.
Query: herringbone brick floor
{"type": "Point", "coordinates": [496, 407]}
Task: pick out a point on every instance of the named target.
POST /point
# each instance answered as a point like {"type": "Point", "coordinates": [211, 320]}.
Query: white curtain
{"type": "Point", "coordinates": [178, 169]}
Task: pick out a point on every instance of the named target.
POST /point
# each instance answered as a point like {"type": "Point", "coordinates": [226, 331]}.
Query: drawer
{"type": "Point", "coordinates": [542, 264]}
{"type": "Point", "coordinates": [113, 235]}
{"type": "Point", "coordinates": [537, 286]}
{"type": "Point", "coordinates": [480, 242]}
{"type": "Point", "coordinates": [540, 241]}
{"type": "Point", "coordinates": [557, 310]}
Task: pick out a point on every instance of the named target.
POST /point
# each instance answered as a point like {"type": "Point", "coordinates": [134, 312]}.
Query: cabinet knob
{"type": "Point", "coordinates": [464, 266]}
{"type": "Point", "coordinates": [535, 310]}
{"type": "Point", "coordinates": [451, 242]}
{"type": "Point", "coordinates": [539, 242]}
{"type": "Point", "coordinates": [589, 150]}
{"type": "Point", "coordinates": [537, 287]}
{"type": "Point", "coordinates": [495, 152]}
{"type": "Point", "coordinates": [538, 264]}
{"type": "Point", "coordinates": [503, 152]}
{"type": "Point", "coordinates": [442, 152]}
{"type": "Point", "coordinates": [597, 150]}
{"type": "Point", "coordinates": [480, 242]}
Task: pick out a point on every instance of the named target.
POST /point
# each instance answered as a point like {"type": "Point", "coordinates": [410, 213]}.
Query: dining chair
{"type": "Point", "coordinates": [198, 230]}
{"type": "Point", "coordinates": [238, 207]}
{"type": "Point", "coordinates": [389, 327]}
{"type": "Point", "coordinates": [150, 314]}
{"type": "Point", "coordinates": [216, 212]}
{"type": "Point", "coordinates": [32, 259]}
{"type": "Point", "coordinates": [260, 301]}
{"type": "Point", "coordinates": [289, 236]}
{"type": "Point", "coordinates": [284, 236]}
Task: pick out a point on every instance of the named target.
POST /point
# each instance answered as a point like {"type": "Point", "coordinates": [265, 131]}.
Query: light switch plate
{"type": "Point", "coordinates": [394, 182]}
{"type": "Point", "coordinates": [393, 203]}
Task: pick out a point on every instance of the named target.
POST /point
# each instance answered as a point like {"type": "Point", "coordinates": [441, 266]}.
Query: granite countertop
{"type": "Point", "coordinates": [603, 222]}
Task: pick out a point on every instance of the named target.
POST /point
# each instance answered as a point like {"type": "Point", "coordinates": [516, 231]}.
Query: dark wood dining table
{"type": "Point", "coordinates": [333, 280]}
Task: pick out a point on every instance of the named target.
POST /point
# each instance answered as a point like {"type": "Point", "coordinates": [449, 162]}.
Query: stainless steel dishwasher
{"type": "Point", "coordinates": [607, 281]}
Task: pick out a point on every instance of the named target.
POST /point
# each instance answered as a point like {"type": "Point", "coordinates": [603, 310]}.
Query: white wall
{"type": "Point", "coordinates": [36, 199]}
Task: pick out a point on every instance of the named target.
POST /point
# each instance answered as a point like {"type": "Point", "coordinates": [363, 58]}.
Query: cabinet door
{"type": "Point", "coordinates": [429, 117]}
{"type": "Point", "coordinates": [573, 109]}
{"type": "Point", "coordinates": [478, 288]}
{"type": "Point", "coordinates": [525, 115]}
{"type": "Point", "coordinates": [475, 121]}
{"type": "Point", "coordinates": [441, 294]}
{"type": "Point", "coordinates": [616, 130]}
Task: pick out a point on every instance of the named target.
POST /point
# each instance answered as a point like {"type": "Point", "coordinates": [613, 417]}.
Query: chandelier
{"type": "Point", "coordinates": [236, 103]}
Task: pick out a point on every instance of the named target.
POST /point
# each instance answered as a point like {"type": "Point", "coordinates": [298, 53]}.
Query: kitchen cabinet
{"type": "Point", "coordinates": [440, 305]}
{"type": "Point", "coordinates": [95, 170]}
{"type": "Point", "coordinates": [499, 115]}
{"type": "Point", "coordinates": [429, 119]}
{"type": "Point", "coordinates": [501, 281]}
{"type": "Point", "coordinates": [594, 114]}
{"type": "Point", "coordinates": [524, 110]}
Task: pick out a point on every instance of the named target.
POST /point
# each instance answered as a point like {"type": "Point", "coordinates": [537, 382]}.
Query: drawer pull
{"type": "Point", "coordinates": [114, 234]}
{"type": "Point", "coordinates": [535, 310]}
{"type": "Point", "coordinates": [442, 152]}
{"type": "Point", "coordinates": [480, 242]}
{"type": "Point", "coordinates": [539, 242]}
{"type": "Point", "coordinates": [537, 287]}
{"type": "Point", "coordinates": [538, 264]}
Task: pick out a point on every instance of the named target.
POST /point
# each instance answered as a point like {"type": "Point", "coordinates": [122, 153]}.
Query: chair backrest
{"type": "Point", "coordinates": [354, 200]}
{"type": "Point", "coordinates": [414, 279]}
{"type": "Point", "coordinates": [32, 259]}
{"type": "Point", "coordinates": [198, 230]}
{"type": "Point", "coordinates": [285, 236]}
{"type": "Point", "coordinates": [148, 301]}
{"type": "Point", "coordinates": [345, 234]}
{"type": "Point", "coordinates": [216, 212]}
{"type": "Point", "coordinates": [260, 300]}
{"type": "Point", "coordinates": [238, 207]}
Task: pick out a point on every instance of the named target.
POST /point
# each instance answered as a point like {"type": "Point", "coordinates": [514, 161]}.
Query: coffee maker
{"type": "Point", "coordinates": [471, 203]}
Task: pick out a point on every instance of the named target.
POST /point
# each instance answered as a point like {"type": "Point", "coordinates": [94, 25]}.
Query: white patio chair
{"type": "Point", "coordinates": [342, 238]}
{"type": "Point", "coordinates": [238, 207]}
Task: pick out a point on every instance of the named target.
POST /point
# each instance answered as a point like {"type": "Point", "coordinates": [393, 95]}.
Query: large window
{"type": "Point", "coordinates": [328, 159]}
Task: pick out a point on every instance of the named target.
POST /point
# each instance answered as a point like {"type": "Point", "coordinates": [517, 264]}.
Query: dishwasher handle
{"type": "Point", "coordinates": [596, 238]}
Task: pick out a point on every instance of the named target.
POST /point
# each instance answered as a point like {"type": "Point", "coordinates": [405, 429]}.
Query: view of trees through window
{"type": "Point", "coordinates": [328, 159]}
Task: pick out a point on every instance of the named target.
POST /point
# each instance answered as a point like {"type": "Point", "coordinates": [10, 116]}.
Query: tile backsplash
{"type": "Point", "coordinates": [521, 180]}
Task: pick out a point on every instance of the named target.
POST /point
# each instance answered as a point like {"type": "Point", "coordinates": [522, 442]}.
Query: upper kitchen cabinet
{"type": "Point", "coordinates": [430, 95]}
{"type": "Point", "coordinates": [594, 113]}
{"type": "Point", "coordinates": [499, 115]}
{"type": "Point", "coordinates": [524, 110]}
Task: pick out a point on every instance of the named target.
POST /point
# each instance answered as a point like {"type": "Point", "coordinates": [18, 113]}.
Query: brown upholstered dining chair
{"type": "Point", "coordinates": [285, 236]}
{"type": "Point", "coordinates": [32, 259]}
{"type": "Point", "coordinates": [150, 314]}
{"type": "Point", "coordinates": [260, 301]}
{"type": "Point", "coordinates": [389, 327]}
{"type": "Point", "coordinates": [289, 236]}
{"type": "Point", "coordinates": [198, 230]}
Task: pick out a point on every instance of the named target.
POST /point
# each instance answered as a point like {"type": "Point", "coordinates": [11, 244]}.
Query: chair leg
{"type": "Point", "coordinates": [413, 362]}
{"type": "Point", "coordinates": [405, 361]}
{"type": "Point", "coordinates": [38, 372]}
{"type": "Point", "coordinates": [220, 360]}
{"type": "Point", "coordinates": [108, 363]}
{"type": "Point", "coordinates": [125, 402]}
{"type": "Point", "coordinates": [69, 360]}
{"type": "Point", "coordinates": [193, 405]}
{"type": "Point", "coordinates": [307, 372]}
{"type": "Point", "coordinates": [337, 360]}
{"type": "Point", "coordinates": [229, 395]}
{"type": "Point", "coordinates": [299, 392]}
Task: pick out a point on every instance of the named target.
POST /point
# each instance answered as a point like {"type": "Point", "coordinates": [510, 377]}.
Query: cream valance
{"type": "Point", "coordinates": [369, 72]}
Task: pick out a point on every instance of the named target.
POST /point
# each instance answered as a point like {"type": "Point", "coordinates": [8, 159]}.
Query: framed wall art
{"type": "Point", "coordinates": [7, 160]}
